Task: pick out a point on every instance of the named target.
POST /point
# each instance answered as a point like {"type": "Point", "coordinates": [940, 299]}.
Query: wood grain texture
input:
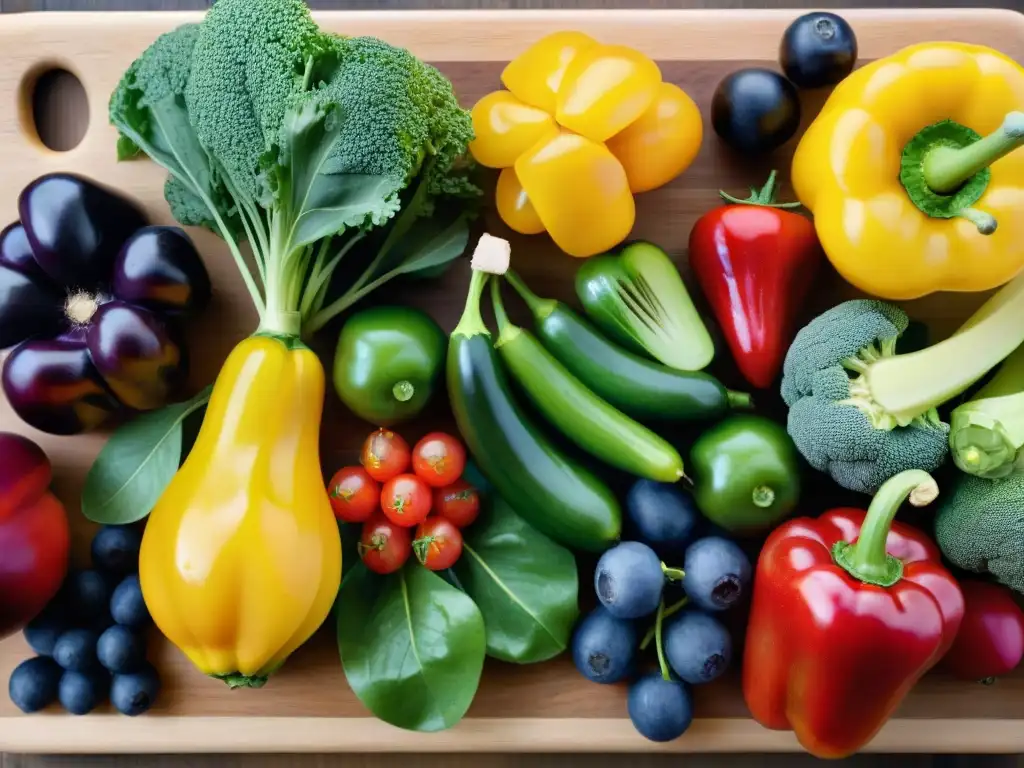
{"type": "Point", "coordinates": [178, 5]}
{"type": "Point", "coordinates": [307, 706]}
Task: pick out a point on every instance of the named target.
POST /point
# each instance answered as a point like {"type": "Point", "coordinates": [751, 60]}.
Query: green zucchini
{"type": "Point", "coordinates": [638, 387]}
{"type": "Point", "coordinates": [550, 490]}
{"type": "Point", "coordinates": [587, 420]}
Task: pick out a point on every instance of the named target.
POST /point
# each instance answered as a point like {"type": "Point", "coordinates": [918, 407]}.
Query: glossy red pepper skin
{"type": "Point", "coordinates": [829, 656]}
{"type": "Point", "coordinates": [34, 536]}
{"type": "Point", "coordinates": [990, 642]}
{"type": "Point", "coordinates": [755, 264]}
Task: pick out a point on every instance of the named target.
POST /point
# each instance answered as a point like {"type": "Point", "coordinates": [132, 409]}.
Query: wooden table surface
{"type": "Point", "coordinates": [490, 761]}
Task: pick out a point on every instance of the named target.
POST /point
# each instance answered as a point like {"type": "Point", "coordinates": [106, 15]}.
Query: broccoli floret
{"type": "Point", "coordinates": [249, 60]}
{"type": "Point", "coordinates": [833, 419]}
{"type": "Point", "coordinates": [980, 527]}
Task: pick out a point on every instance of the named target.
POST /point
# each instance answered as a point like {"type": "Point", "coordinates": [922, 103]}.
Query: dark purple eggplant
{"type": "Point", "coordinates": [92, 298]}
{"type": "Point", "coordinates": [76, 228]}
{"type": "Point", "coordinates": [28, 300]}
{"type": "Point", "coordinates": [159, 268]}
{"type": "Point", "coordinates": [135, 354]}
{"type": "Point", "coordinates": [53, 386]}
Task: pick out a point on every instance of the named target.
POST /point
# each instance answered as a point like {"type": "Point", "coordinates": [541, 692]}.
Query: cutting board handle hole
{"type": "Point", "coordinates": [55, 108]}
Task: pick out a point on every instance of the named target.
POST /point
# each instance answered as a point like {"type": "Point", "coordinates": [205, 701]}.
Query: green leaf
{"type": "Point", "coordinates": [127, 149]}
{"type": "Point", "coordinates": [137, 463]}
{"type": "Point", "coordinates": [412, 646]}
{"type": "Point", "coordinates": [428, 246]}
{"type": "Point", "coordinates": [525, 585]}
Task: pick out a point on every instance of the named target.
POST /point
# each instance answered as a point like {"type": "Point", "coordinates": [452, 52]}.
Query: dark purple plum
{"type": "Point", "coordinates": [133, 351]}
{"type": "Point", "coordinates": [76, 228]}
{"type": "Point", "coordinates": [160, 269]}
{"type": "Point", "coordinates": [53, 386]}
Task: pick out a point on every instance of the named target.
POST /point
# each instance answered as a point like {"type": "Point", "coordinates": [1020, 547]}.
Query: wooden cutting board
{"type": "Point", "coordinates": [307, 706]}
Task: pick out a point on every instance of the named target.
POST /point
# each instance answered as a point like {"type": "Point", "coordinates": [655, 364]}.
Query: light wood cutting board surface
{"type": "Point", "coordinates": [549, 707]}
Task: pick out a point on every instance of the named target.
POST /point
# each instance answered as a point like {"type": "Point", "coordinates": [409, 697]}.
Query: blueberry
{"type": "Point", "coordinates": [697, 646]}
{"type": "Point", "coordinates": [603, 647]}
{"type": "Point", "coordinates": [717, 573]}
{"type": "Point", "coordinates": [661, 710]}
{"type": "Point", "coordinates": [134, 694]}
{"type": "Point", "coordinates": [75, 650]}
{"type": "Point", "coordinates": [88, 595]}
{"type": "Point", "coordinates": [81, 692]}
{"type": "Point", "coordinates": [629, 580]}
{"type": "Point", "coordinates": [115, 549]}
{"type": "Point", "coordinates": [662, 514]}
{"type": "Point", "coordinates": [42, 632]}
{"type": "Point", "coordinates": [121, 650]}
{"type": "Point", "coordinates": [127, 606]}
{"type": "Point", "coordinates": [33, 684]}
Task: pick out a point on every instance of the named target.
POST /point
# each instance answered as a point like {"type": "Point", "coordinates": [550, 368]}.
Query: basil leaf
{"type": "Point", "coordinates": [525, 585]}
{"type": "Point", "coordinates": [412, 646]}
{"type": "Point", "coordinates": [137, 463]}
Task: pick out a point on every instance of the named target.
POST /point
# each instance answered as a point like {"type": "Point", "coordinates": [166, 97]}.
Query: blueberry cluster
{"type": "Point", "coordinates": [634, 587]}
{"type": "Point", "coordinates": [91, 638]}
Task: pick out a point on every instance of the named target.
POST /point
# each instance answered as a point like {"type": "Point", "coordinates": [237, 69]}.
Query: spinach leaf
{"type": "Point", "coordinates": [412, 646]}
{"type": "Point", "coordinates": [525, 585]}
{"type": "Point", "coordinates": [137, 463]}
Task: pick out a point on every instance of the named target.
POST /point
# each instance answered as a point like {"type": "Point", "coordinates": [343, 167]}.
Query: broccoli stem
{"type": "Point", "coordinates": [908, 386]}
{"type": "Point", "coordinates": [867, 559]}
{"type": "Point", "coordinates": [987, 433]}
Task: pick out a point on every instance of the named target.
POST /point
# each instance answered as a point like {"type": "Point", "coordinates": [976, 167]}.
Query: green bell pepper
{"type": "Point", "coordinates": [746, 473]}
{"type": "Point", "coordinates": [388, 362]}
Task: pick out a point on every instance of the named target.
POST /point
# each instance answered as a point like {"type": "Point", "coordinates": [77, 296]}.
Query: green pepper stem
{"type": "Point", "coordinates": [946, 168]}
{"type": "Point", "coordinates": [763, 496]}
{"type": "Point", "coordinates": [472, 322]}
{"type": "Point", "coordinates": [403, 391]}
{"type": "Point", "coordinates": [739, 401]}
{"type": "Point", "coordinates": [665, 673]}
{"type": "Point", "coordinates": [867, 559]}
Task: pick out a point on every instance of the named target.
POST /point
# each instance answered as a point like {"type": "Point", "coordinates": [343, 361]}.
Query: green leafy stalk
{"type": "Point", "coordinates": [987, 432]}
{"type": "Point", "coordinates": [867, 559]}
{"type": "Point", "coordinates": [666, 674]}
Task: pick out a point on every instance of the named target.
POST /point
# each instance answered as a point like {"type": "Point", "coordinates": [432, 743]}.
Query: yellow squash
{"type": "Point", "coordinates": [241, 558]}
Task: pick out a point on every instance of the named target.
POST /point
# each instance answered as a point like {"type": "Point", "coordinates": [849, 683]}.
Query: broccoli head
{"type": "Point", "coordinates": [833, 419]}
{"type": "Point", "coordinates": [980, 527]}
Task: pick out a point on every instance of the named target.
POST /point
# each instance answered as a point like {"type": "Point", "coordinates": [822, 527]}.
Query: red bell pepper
{"type": "Point", "coordinates": [755, 261]}
{"type": "Point", "coordinates": [34, 536]}
{"type": "Point", "coordinates": [990, 642]}
{"type": "Point", "coordinates": [849, 611]}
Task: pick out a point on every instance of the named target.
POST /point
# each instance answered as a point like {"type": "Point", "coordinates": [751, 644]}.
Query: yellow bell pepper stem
{"type": "Point", "coordinates": [945, 168]}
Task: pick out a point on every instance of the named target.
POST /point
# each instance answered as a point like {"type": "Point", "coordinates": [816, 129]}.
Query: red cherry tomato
{"type": "Point", "coordinates": [385, 454]}
{"type": "Point", "coordinates": [384, 547]}
{"type": "Point", "coordinates": [439, 459]}
{"type": "Point", "coordinates": [990, 641]}
{"type": "Point", "coordinates": [438, 543]}
{"type": "Point", "coordinates": [354, 494]}
{"type": "Point", "coordinates": [405, 500]}
{"type": "Point", "coordinates": [458, 502]}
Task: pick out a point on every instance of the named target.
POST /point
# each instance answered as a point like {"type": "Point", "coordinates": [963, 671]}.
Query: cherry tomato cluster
{"type": "Point", "coordinates": [390, 500]}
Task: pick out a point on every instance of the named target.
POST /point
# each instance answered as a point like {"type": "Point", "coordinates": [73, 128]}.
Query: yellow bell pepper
{"type": "Point", "coordinates": [241, 557]}
{"type": "Point", "coordinates": [582, 127]}
{"type": "Point", "coordinates": [907, 196]}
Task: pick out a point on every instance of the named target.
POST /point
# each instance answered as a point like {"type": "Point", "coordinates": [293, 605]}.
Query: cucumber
{"type": "Point", "coordinates": [550, 490]}
{"type": "Point", "coordinates": [583, 417]}
{"type": "Point", "coordinates": [638, 387]}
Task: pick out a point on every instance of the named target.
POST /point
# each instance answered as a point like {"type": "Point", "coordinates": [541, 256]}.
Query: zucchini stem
{"type": "Point", "coordinates": [472, 322]}
{"type": "Point", "coordinates": [506, 330]}
{"type": "Point", "coordinates": [539, 308]}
